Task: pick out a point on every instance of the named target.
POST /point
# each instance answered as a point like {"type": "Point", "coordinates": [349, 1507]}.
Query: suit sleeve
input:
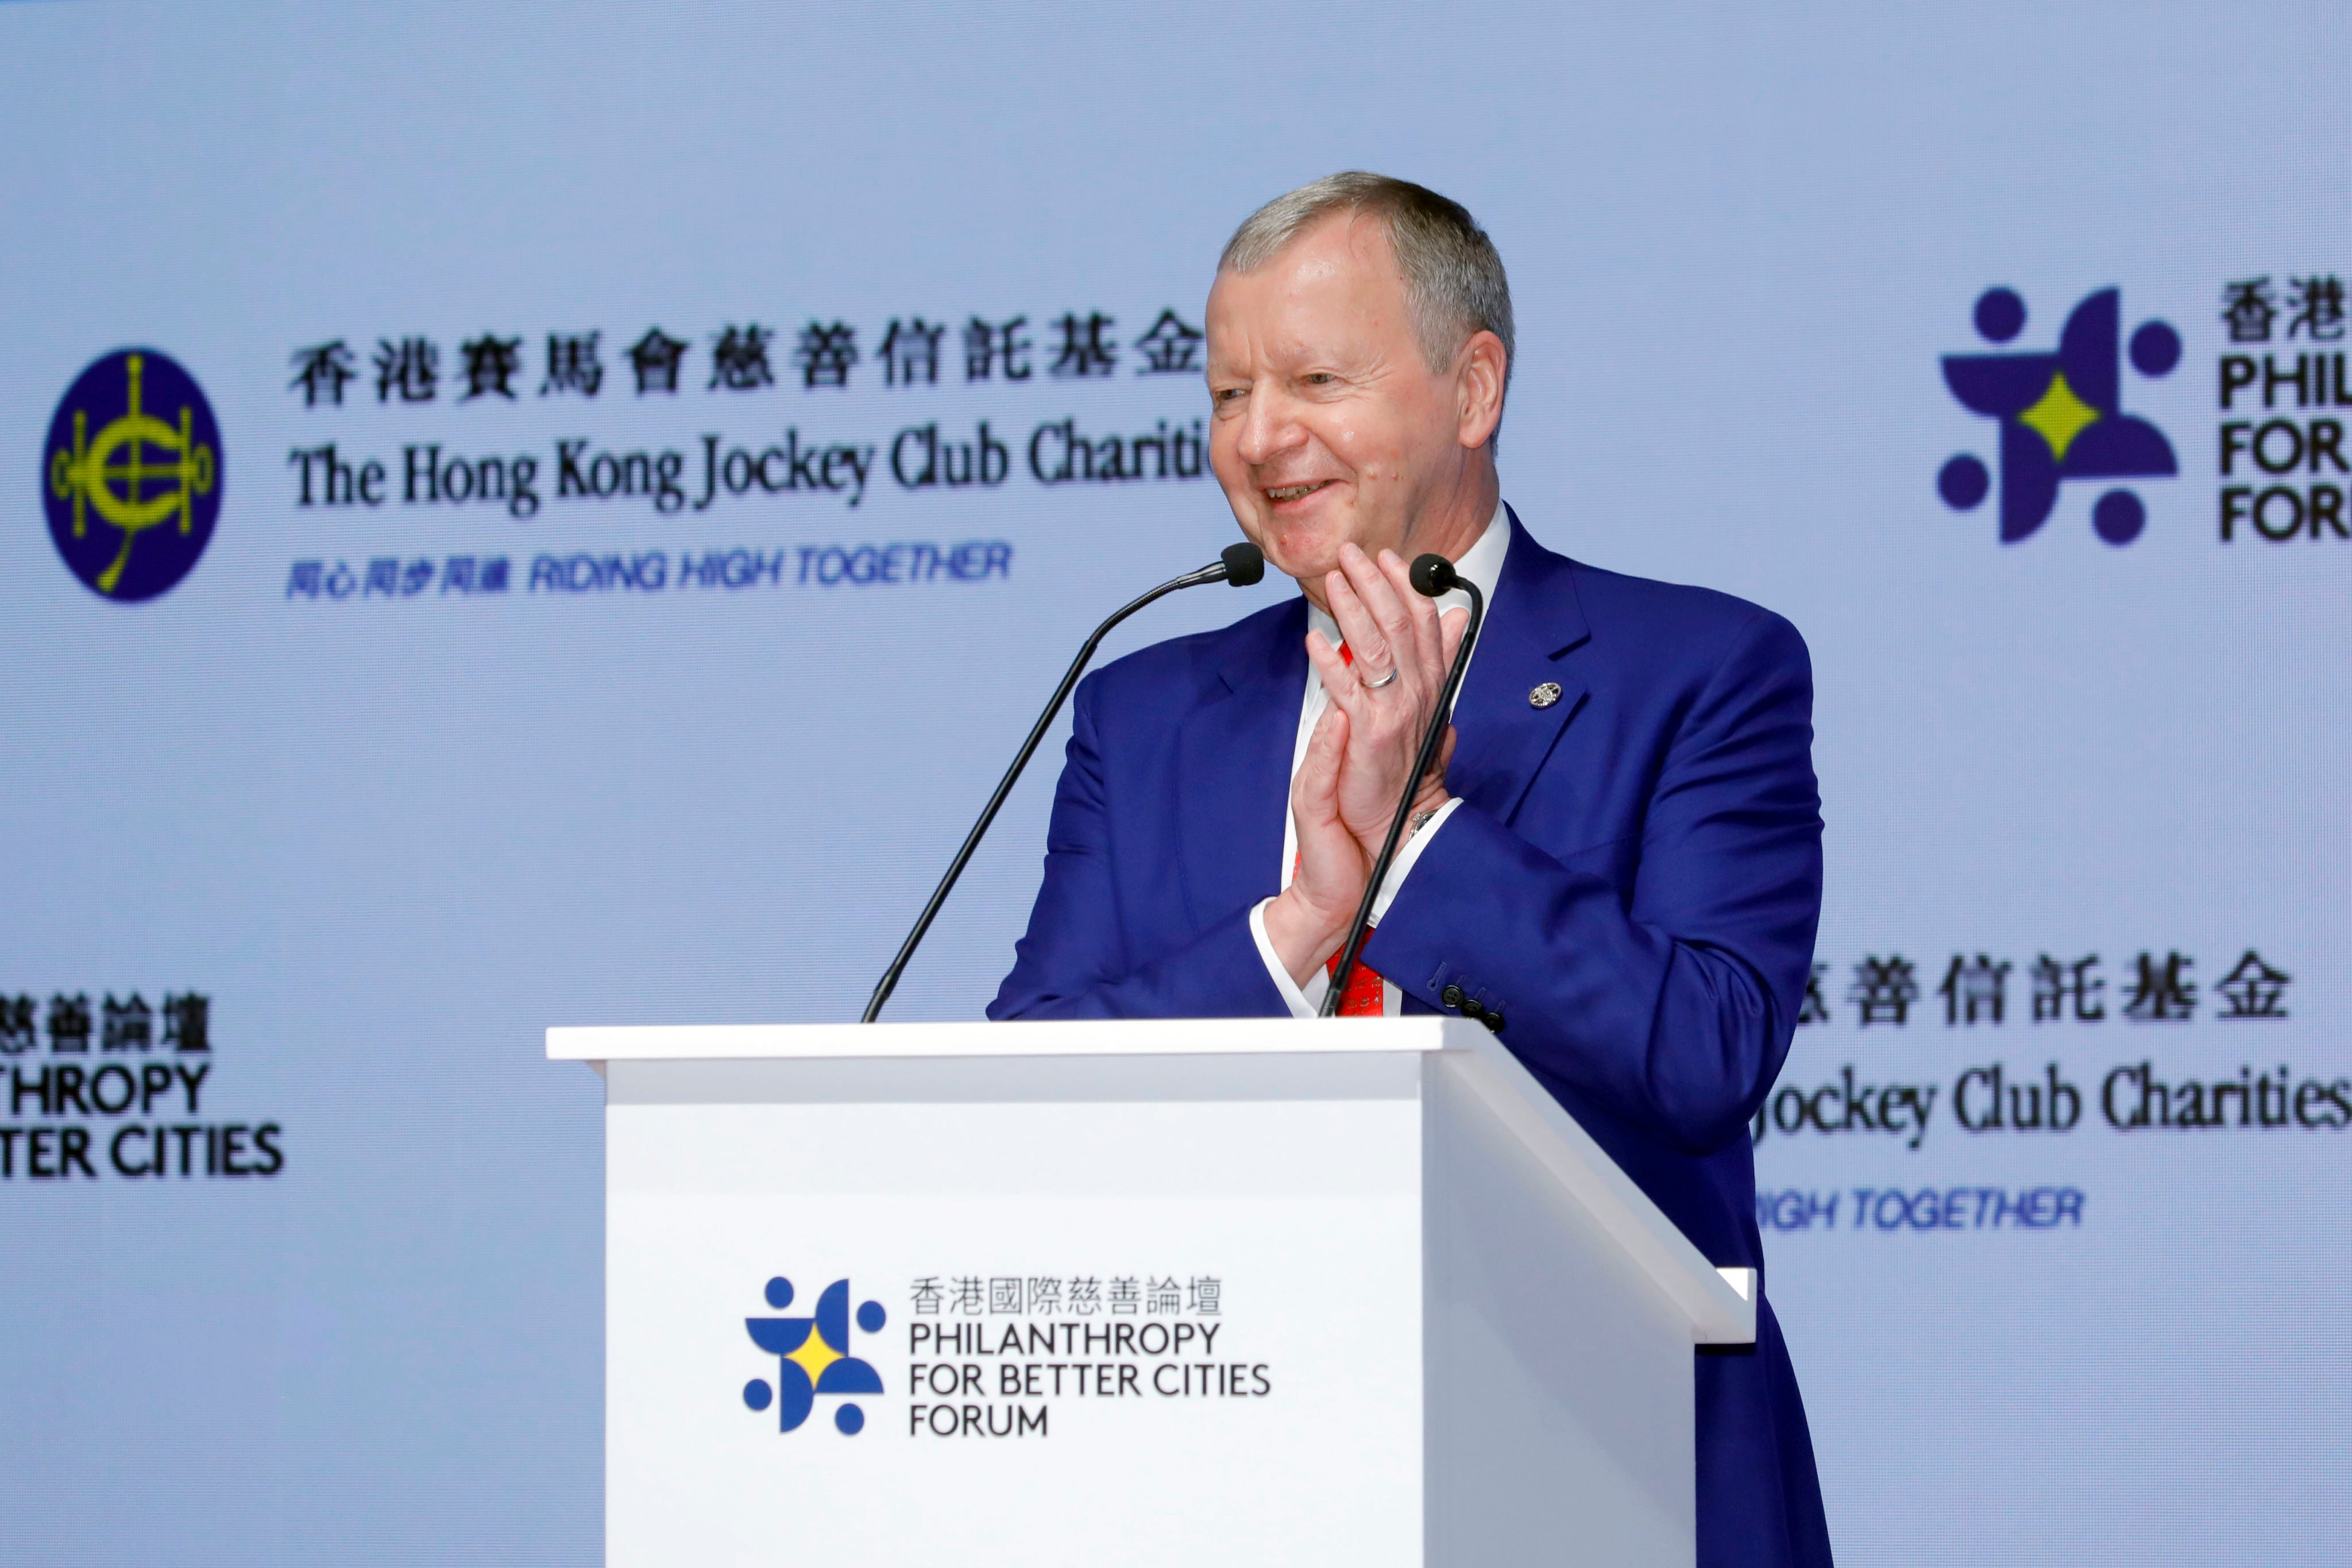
{"type": "Point", "coordinates": [1075, 960]}
{"type": "Point", "coordinates": [1674, 1009]}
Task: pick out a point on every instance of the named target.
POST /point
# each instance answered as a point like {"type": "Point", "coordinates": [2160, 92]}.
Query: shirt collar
{"type": "Point", "coordinates": [1482, 563]}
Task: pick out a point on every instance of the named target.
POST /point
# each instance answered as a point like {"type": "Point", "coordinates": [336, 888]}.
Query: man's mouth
{"type": "Point", "coordinates": [1282, 493]}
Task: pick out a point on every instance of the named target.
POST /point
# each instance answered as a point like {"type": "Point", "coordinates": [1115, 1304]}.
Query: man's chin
{"type": "Point", "coordinates": [1305, 550]}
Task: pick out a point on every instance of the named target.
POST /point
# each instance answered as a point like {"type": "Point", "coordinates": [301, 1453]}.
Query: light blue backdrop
{"type": "Point", "coordinates": [393, 838]}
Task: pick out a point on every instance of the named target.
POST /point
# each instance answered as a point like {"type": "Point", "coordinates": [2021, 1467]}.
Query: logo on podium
{"type": "Point", "coordinates": [813, 1357]}
{"type": "Point", "coordinates": [131, 475]}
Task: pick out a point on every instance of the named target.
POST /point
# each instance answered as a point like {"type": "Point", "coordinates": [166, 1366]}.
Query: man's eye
{"type": "Point", "coordinates": [1321, 378]}
{"type": "Point", "coordinates": [1226, 393]}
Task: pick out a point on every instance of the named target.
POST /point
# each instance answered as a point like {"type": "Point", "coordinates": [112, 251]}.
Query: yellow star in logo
{"type": "Point", "coordinates": [2060, 417]}
{"type": "Point", "coordinates": [813, 1356]}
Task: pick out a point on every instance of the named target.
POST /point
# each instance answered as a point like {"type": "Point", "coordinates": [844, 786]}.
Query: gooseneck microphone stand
{"type": "Point", "coordinates": [1432, 575]}
{"type": "Point", "coordinates": [1241, 565]}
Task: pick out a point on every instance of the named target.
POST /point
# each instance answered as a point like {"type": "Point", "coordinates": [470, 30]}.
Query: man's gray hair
{"type": "Point", "coordinates": [1453, 280]}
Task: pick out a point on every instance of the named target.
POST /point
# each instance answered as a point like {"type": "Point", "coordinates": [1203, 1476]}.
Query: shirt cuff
{"type": "Point", "coordinates": [1303, 1004]}
{"type": "Point", "coordinates": [1408, 856]}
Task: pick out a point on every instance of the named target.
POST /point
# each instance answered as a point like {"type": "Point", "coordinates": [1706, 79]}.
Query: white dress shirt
{"type": "Point", "coordinates": [1482, 563]}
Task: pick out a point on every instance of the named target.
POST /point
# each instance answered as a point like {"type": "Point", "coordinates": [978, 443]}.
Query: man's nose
{"type": "Point", "coordinates": [1269, 429]}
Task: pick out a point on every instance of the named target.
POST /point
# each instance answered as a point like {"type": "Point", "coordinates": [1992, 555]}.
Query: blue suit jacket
{"type": "Point", "coordinates": [1632, 880]}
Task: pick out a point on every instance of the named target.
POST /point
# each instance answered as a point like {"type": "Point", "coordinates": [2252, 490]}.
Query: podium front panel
{"type": "Point", "coordinates": [1147, 1311]}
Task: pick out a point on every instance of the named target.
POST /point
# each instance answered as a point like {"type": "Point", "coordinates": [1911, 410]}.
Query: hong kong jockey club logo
{"type": "Point", "coordinates": [2060, 416]}
{"type": "Point", "coordinates": [813, 1357]}
{"type": "Point", "coordinates": [131, 475]}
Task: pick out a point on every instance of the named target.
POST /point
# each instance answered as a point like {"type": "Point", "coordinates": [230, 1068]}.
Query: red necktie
{"type": "Point", "coordinates": [1364, 997]}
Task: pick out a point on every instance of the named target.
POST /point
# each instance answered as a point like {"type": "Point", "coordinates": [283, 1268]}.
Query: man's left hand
{"type": "Point", "coordinates": [1387, 627]}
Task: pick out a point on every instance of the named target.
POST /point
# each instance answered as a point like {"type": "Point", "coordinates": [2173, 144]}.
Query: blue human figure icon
{"type": "Point", "coordinates": [812, 1356]}
{"type": "Point", "coordinates": [2060, 416]}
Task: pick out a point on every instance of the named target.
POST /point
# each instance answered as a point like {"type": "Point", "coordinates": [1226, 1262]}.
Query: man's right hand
{"type": "Point", "coordinates": [1308, 923]}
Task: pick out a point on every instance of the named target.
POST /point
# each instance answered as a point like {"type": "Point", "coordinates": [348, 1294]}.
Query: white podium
{"type": "Point", "coordinates": [1186, 1294]}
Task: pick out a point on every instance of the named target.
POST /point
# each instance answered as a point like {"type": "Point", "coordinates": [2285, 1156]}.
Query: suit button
{"type": "Point", "coordinates": [1495, 1022]}
{"type": "Point", "coordinates": [1471, 1009]}
{"type": "Point", "coordinates": [1451, 997]}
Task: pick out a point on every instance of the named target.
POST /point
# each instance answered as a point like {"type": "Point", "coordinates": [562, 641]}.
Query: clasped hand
{"type": "Point", "coordinates": [1382, 697]}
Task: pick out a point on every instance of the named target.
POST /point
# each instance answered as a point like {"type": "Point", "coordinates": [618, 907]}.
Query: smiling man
{"type": "Point", "coordinates": [1616, 863]}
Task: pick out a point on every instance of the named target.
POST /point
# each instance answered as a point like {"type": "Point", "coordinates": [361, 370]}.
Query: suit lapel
{"type": "Point", "coordinates": [1533, 622]}
{"type": "Point", "coordinates": [1233, 762]}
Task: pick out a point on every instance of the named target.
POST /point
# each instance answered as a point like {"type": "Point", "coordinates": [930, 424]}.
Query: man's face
{"type": "Point", "coordinates": [1328, 424]}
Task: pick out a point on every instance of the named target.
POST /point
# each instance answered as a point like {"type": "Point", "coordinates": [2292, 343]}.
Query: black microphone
{"type": "Point", "coordinates": [1432, 575]}
{"type": "Point", "coordinates": [1241, 565]}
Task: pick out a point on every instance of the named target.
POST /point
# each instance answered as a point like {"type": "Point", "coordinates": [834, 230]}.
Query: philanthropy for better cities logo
{"type": "Point", "coordinates": [131, 476]}
{"type": "Point", "coordinates": [813, 1357]}
{"type": "Point", "coordinates": [2060, 416]}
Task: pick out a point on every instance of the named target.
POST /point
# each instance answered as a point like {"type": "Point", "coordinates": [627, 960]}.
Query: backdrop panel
{"type": "Point", "coordinates": [531, 515]}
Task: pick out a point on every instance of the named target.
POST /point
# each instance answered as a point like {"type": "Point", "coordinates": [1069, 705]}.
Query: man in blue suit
{"type": "Point", "coordinates": [1616, 861]}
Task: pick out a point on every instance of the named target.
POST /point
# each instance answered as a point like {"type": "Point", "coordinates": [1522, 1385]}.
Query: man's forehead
{"type": "Point", "coordinates": [1339, 273]}
{"type": "Point", "coordinates": [1344, 249]}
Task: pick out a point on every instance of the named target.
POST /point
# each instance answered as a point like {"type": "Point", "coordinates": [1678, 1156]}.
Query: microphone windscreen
{"type": "Point", "coordinates": [1432, 574]}
{"type": "Point", "coordinates": [1245, 564]}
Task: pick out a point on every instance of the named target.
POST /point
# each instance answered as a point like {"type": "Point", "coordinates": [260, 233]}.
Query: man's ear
{"type": "Point", "coordinates": [1480, 371]}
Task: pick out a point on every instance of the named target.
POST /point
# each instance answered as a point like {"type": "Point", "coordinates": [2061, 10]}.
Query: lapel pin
{"type": "Point", "coordinates": [1544, 696]}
